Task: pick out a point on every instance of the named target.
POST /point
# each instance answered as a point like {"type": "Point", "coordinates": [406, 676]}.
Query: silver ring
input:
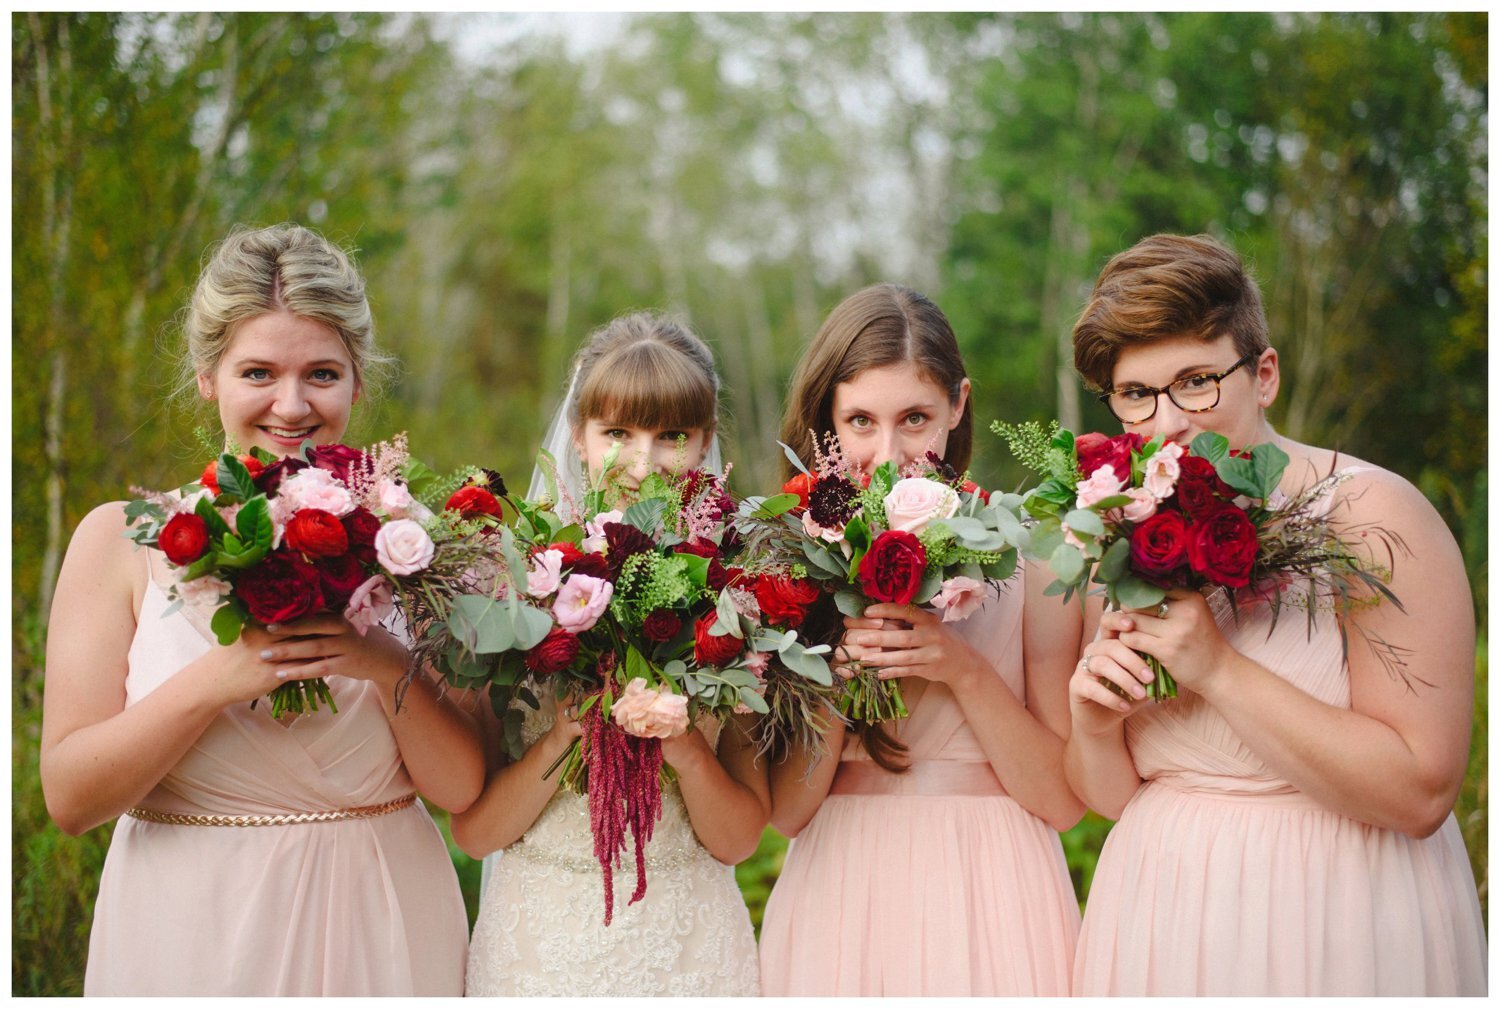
{"type": "Point", "coordinates": [1161, 611]}
{"type": "Point", "coordinates": [1086, 667]}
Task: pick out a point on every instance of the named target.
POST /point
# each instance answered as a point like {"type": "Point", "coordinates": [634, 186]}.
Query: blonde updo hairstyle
{"type": "Point", "coordinates": [645, 370]}
{"type": "Point", "coordinates": [255, 271]}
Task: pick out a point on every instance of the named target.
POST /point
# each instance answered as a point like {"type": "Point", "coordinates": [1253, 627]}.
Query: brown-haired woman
{"type": "Point", "coordinates": [1285, 824]}
{"type": "Point", "coordinates": [644, 390]}
{"type": "Point", "coordinates": [925, 858]}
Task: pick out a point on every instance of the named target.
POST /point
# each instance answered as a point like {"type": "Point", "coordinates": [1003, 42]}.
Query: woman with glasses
{"type": "Point", "coordinates": [1285, 824]}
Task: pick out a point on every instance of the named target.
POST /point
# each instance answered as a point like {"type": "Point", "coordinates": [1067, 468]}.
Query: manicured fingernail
{"type": "Point", "coordinates": [1139, 692]}
{"type": "Point", "coordinates": [272, 627]}
{"type": "Point", "coordinates": [282, 674]}
{"type": "Point", "coordinates": [266, 653]}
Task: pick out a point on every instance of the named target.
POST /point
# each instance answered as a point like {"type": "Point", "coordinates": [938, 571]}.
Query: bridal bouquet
{"type": "Point", "coordinates": [1141, 517]}
{"type": "Point", "coordinates": [330, 529]}
{"type": "Point", "coordinates": [920, 534]}
{"type": "Point", "coordinates": [639, 616]}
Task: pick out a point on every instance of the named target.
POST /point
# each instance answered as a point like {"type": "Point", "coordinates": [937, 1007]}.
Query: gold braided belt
{"type": "Point", "coordinates": [273, 820]}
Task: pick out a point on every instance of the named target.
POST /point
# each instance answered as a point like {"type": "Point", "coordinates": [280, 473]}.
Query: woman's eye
{"type": "Point", "coordinates": [325, 375]}
{"type": "Point", "coordinates": [256, 374]}
{"type": "Point", "coordinates": [673, 436]}
{"type": "Point", "coordinates": [859, 423]}
{"type": "Point", "coordinates": [1196, 383]}
{"type": "Point", "coordinates": [916, 419]}
{"type": "Point", "coordinates": [616, 434]}
{"type": "Point", "coordinates": [1134, 395]}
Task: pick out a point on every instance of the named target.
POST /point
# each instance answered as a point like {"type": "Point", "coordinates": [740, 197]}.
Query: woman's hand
{"type": "Point", "coordinates": [1107, 685]}
{"type": "Point", "coordinates": [849, 650]}
{"type": "Point", "coordinates": [915, 642]}
{"type": "Point", "coordinates": [567, 726]}
{"type": "Point", "coordinates": [328, 645]}
{"type": "Point", "coordinates": [1180, 633]}
{"type": "Point", "coordinates": [252, 667]}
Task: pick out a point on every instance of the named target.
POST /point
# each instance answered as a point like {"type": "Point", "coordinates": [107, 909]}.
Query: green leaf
{"type": "Point", "coordinates": [752, 700]}
{"type": "Point", "coordinates": [1067, 563]}
{"type": "Point", "coordinates": [1137, 594]}
{"type": "Point", "coordinates": [1115, 562]}
{"type": "Point", "coordinates": [849, 602]}
{"type": "Point", "coordinates": [792, 456]}
{"type": "Point", "coordinates": [1083, 520]}
{"type": "Point", "coordinates": [227, 622]}
{"type": "Point", "coordinates": [637, 667]}
{"type": "Point", "coordinates": [1211, 446]}
{"type": "Point", "coordinates": [482, 624]}
{"type": "Point", "coordinates": [217, 527]}
{"type": "Point", "coordinates": [774, 507]}
{"type": "Point", "coordinates": [234, 478]}
{"type": "Point", "coordinates": [237, 555]}
{"type": "Point", "coordinates": [529, 625]}
{"type": "Point", "coordinates": [695, 567]}
{"type": "Point", "coordinates": [261, 456]}
{"type": "Point", "coordinates": [254, 523]}
{"type": "Point", "coordinates": [645, 515]}
{"type": "Point", "coordinates": [203, 565]}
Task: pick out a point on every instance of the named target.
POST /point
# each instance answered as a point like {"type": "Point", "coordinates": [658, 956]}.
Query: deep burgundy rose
{"type": "Point", "coordinates": [210, 477]}
{"type": "Point", "coordinates": [710, 650]}
{"type": "Point", "coordinates": [1222, 545]}
{"type": "Point", "coordinates": [269, 479]}
{"type": "Point", "coordinates": [1199, 489]}
{"type": "Point", "coordinates": [184, 538]}
{"type": "Point", "coordinates": [1095, 450]}
{"type": "Point", "coordinates": [892, 570]}
{"type": "Point", "coordinates": [340, 460]}
{"type": "Point", "coordinates": [661, 625]}
{"type": "Point", "coordinates": [361, 525]}
{"type": "Point", "coordinates": [281, 588]}
{"type": "Point", "coordinates": [622, 542]}
{"type": "Point", "coordinates": [718, 575]}
{"type": "Point", "coordinates": [1195, 467]}
{"type": "Point", "coordinates": [553, 653]}
{"type": "Point", "coordinates": [339, 576]}
{"type": "Point", "coordinates": [784, 601]}
{"type": "Point", "coordinates": [472, 502]}
{"type": "Point", "coordinates": [317, 533]}
{"type": "Point", "coordinates": [574, 559]}
{"type": "Point", "coordinates": [1158, 547]}
{"type": "Point", "coordinates": [801, 485]}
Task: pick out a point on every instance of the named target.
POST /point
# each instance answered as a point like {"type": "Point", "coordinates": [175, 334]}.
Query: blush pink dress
{"type": "Point", "coordinates": [1220, 878]}
{"type": "Point", "coordinates": [934, 882]}
{"type": "Point", "coordinates": [349, 907]}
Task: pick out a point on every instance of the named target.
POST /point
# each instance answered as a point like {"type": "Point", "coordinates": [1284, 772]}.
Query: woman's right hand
{"type": "Point", "coordinates": [241, 672]}
{"type": "Point", "coordinates": [1107, 662]}
{"type": "Point", "coordinates": [568, 725]}
{"type": "Point", "coordinates": [847, 652]}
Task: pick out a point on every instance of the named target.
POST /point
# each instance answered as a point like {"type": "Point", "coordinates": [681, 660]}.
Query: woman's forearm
{"type": "Point", "coordinates": [511, 800]}
{"type": "Point", "coordinates": [800, 783]}
{"type": "Point", "coordinates": [441, 745]}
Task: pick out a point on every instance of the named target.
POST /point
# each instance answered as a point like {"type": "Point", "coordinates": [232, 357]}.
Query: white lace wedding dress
{"type": "Point", "coordinates": [541, 930]}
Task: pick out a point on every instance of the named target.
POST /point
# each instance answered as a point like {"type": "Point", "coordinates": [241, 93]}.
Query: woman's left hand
{"type": "Point", "coordinates": [326, 644]}
{"type": "Point", "coordinates": [1180, 632]}
{"type": "Point", "coordinates": [924, 647]}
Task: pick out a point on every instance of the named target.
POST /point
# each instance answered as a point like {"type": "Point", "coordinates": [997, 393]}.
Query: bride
{"type": "Point", "coordinates": [647, 385]}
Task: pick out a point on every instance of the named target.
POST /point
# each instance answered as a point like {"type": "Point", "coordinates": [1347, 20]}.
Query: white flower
{"type": "Point", "coordinates": [960, 596]}
{"type": "Point", "coordinates": [916, 501]}
{"type": "Point", "coordinates": [394, 499]}
{"type": "Point", "coordinates": [403, 547]}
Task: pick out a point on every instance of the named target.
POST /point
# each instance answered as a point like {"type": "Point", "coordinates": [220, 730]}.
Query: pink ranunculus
{"type": "Point", "coordinates": [828, 535]}
{"type": "Point", "coordinates": [369, 604]}
{"type": "Point", "coordinates": [960, 596]}
{"type": "Point", "coordinates": [594, 542]}
{"type": "Point", "coordinates": [545, 574]}
{"type": "Point", "coordinates": [1142, 506]}
{"type": "Point", "coordinates": [403, 547]}
{"type": "Point", "coordinates": [653, 714]}
{"type": "Point", "coordinates": [314, 488]}
{"type": "Point", "coordinates": [393, 498]}
{"type": "Point", "coordinates": [1162, 470]}
{"type": "Point", "coordinates": [205, 590]}
{"type": "Point", "coordinates": [581, 601]}
{"type": "Point", "coordinates": [916, 501]}
{"type": "Point", "coordinates": [1102, 483]}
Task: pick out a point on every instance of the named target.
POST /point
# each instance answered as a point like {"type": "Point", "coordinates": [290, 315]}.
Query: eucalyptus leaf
{"type": "Point", "coordinates": [1135, 593]}
{"type": "Point", "coordinates": [482, 624]}
{"type": "Point", "coordinates": [752, 700]}
{"type": "Point", "coordinates": [792, 457]}
{"type": "Point", "coordinates": [849, 602]}
{"type": "Point", "coordinates": [529, 625]}
{"type": "Point", "coordinates": [807, 665]}
{"type": "Point", "coordinates": [1115, 562]}
{"type": "Point", "coordinates": [1003, 568]}
{"type": "Point", "coordinates": [1083, 520]}
{"type": "Point", "coordinates": [728, 621]}
{"type": "Point", "coordinates": [1067, 563]}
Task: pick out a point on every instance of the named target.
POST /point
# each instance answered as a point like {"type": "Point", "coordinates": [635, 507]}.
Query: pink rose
{"type": "Point", "coordinates": [916, 501]}
{"type": "Point", "coordinates": [1142, 506]}
{"type": "Point", "coordinates": [1162, 470]}
{"type": "Point", "coordinates": [314, 488]}
{"type": "Point", "coordinates": [545, 575]}
{"type": "Point", "coordinates": [595, 541]}
{"type": "Point", "coordinates": [369, 604]}
{"type": "Point", "coordinates": [205, 590]}
{"type": "Point", "coordinates": [581, 601]}
{"type": "Point", "coordinates": [1102, 483]}
{"type": "Point", "coordinates": [392, 497]}
{"type": "Point", "coordinates": [828, 535]}
{"type": "Point", "coordinates": [653, 714]}
{"type": "Point", "coordinates": [960, 596]}
{"type": "Point", "coordinates": [403, 547]}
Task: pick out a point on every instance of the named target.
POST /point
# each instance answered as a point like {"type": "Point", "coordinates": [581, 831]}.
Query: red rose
{"type": "Point", "coordinates": [281, 588]}
{"type": "Point", "coordinates": [661, 625]}
{"type": "Point", "coordinates": [553, 653]}
{"type": "Point", "coordinates": [471, 502]}
{"type": "Point", "coordinates": [316, 532]}
{"type": "Point", "coordinates": [711, 650]}
{"type": "Point", "coordinates": [892, 570]}
{"type": "Point", "coordinates": [340, 460]}
{"type": "Point", "coordinates": [184, 538]}
{"type": "Point", "coordinates": [1158, 547]}
{"type": "Point", "coordinates": [339, 577]}
{"type": "Point", "coordinates": [800, 485]}
{"type": "Point", "coordinates": [1199, 489]}
{"type": "Point", "coordinates": [1095, 450]}
{"type": "Point", "coordinates": [970, 487]}
{"type": "Point", "coordinates": [361, 525]}
{"type": "Point", "coordinates": [210, 477]}
{"type": "Point", "coordinates": [1222, 545]}
{"type": "Point", "coordinates": [784, 601]}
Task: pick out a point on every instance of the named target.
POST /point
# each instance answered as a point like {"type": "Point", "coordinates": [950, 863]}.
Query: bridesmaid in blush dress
{"type": "Point", "coordinates": [1285, 825]}
{"type": "Point", "coordinates": [252, 856]}
{"type": "Point", "coordinates": [925, 858]}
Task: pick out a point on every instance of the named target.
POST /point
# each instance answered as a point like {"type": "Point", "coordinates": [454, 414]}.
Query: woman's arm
{"type": "Point", "coordinates": [1396, 758]}
{"type": "Point", "coordinates": [727, 796]}
{"type": "Point", "coordinates": [98, 757]}
{"type": "Point", "coordinates": [1096, 759]}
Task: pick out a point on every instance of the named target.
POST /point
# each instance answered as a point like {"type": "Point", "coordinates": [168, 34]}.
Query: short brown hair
{"type": "Point", "coordinates": [1167, 286]}
{"type": "Point", "coordinates": [881, 325]}
{"type": "Point", "coordinates": [646, 370]}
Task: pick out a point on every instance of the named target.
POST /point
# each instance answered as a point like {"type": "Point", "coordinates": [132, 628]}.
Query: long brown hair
{"type": "Point", "coordinates": [882, 325]}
